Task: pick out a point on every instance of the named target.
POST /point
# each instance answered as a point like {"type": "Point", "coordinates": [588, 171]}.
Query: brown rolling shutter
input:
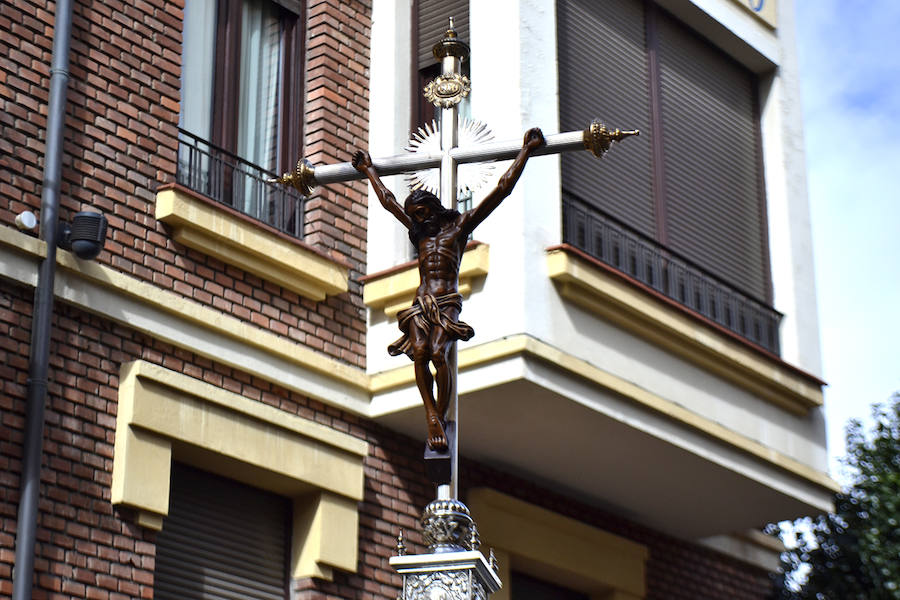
{"type": "Point", "coordinates": [433, 18]}
{"type": "Point", "coordinates": [603, 74]}
{"type": "Point", "coordinates": [221, 540]}
{"type": "Point", "coordinates": [714, 211]}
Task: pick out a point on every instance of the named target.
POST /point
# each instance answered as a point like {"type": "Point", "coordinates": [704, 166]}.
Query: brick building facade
{"type": "Point", "coordinates": [190, 315]}
{"type": "Point", "coordinates": [87, 548]}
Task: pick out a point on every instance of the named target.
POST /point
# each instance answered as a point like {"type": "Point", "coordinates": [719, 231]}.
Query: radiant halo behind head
{"type": "Point", "coordinates": [470, 176]}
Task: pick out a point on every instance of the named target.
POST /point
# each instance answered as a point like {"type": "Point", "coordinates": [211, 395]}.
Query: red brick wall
{"type": "Point", "coordinates": [85, 549]}
{"type": "Point", "coordinates": [89, 549]}
{"type": "Point", "coordinates": [335, 125]}
{"type": "Point", "coordinates": [121, 144]}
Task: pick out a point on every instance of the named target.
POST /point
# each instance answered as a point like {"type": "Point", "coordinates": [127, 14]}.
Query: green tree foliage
{"type": "Point", "coordinates": [854, 554]}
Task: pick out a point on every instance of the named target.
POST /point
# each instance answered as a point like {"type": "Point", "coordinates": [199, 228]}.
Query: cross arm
{"type": "Point", "coordinates": [596, 138]}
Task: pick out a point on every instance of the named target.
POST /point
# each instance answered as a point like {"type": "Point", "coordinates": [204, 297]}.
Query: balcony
{"type": "Point", "coordinates": [677, 278]}
{"type": "Point", "coordinates": [232, 181]}
{"type": "Point", "coordinates": [608, 375]}
{"type": "Point", "coordinates": [226, 208]}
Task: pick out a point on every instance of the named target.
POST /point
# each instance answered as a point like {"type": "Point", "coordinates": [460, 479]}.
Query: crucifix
{"type": "Point", "coordinates": [439, 232]}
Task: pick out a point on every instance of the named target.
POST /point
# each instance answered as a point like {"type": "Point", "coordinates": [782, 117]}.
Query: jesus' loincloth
{"type": "Point", "coordinates": [425, 313]}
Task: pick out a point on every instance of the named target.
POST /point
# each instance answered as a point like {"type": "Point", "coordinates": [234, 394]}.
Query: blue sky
{"type": "Point", "coordinates": [850, 69]}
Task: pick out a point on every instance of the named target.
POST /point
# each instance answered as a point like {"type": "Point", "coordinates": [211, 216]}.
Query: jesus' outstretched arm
{"type": "Point", "coordinates": [362, 162]}
{"type": "Point", "coordinates": [534, 139]}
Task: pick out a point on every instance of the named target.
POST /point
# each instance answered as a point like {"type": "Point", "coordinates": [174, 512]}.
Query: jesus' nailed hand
{"type": "Point", "coordinates": [431, 325]}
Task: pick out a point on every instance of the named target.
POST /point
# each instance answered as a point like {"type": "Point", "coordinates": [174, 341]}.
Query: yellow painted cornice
{"type": "Point", "coordinates": [212, 319]}
{"type": "Point", "coordinates": [541, 542]}
{"type": "Point", "coordinates": [233, 402]}
{"type": "Point", "coordinates": [394, 289]}
{"type": "Point", "coordinates": [24, 243]}
{"type": "Point", "coordinates": [164, 416]}
{"type": "Point", "coordinates": [635, 310]}
{"type": "Point", "coordinates": [180, 308]}
{"type": "Point", "coordinates": [215, 231]}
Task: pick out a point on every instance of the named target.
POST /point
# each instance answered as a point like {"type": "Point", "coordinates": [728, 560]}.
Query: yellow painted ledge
{"type": "Point", "coordinates": [216, 232]}
{"type": "Point", "coordinates": [395, 289]}
{"type": "Point", "coordinates": [558, 549]}
{"type": "Point", "coordinates": [23, 242]}
{"type": "Point", "coordinates": [164, 415]}
{"type": "Point", "coordinates": [524, 345]}
{"type": "Point", "coordinates": [639, 312]}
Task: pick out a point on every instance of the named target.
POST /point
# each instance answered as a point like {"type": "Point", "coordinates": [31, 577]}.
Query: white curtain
{"type": "Point", "coordinates": [196, 93]}
{"type": "Point", "coordinates": [197, 67]}
{"type": "Point", "coordinates": [257, 140]}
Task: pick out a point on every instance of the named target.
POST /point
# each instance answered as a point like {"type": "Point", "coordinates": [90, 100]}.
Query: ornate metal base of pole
{"type": "Point", "coordinates": [454, 569]}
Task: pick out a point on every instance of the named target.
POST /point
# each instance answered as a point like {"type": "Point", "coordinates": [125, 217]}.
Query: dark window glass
{"type": "Point", "coordinates": [523, 587]}
{"type": "Point", "coordinates": [239, 76]}
{"type": "Point", "coordinates": [241, 105]}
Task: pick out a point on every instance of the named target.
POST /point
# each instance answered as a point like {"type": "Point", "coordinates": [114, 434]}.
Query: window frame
{"type": "Point", "coordinates": [226, 80]}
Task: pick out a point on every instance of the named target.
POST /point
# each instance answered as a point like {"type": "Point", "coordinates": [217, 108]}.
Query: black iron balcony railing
{"type": "Point", "coordinates": [235, 182]}
{"type": "Point", "coordinates": [643, 259]}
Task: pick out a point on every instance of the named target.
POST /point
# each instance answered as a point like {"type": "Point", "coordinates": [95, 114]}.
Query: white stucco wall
{"type": "Point", "coordinates": [389, 96]}
{"type": "Point", "coordinates": [790, 230]}
{"type": "Point", "coordinates": [516, 40]}
{"type": "Point", "coordinates": [514, 87]}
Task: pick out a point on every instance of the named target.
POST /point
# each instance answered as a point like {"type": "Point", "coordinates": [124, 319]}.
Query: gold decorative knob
{"type": "Point", "coordinates": [597, 138]}
{"type": "Point", "coordinates": [302, 178]}
{"type": "Point", "coordinates": [450, 45]}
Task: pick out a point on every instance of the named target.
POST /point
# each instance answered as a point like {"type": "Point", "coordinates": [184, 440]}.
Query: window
{"type": "Point", "coordinates": [523, 587]}
{"type": "Point", "coordinates": [693, 180]}
{"type": "Point", "coordinates": [431, 18]}
{"type": "Point", "coordinates": [221, 539]}
{"type": "Point", "coordinates": [240, 116]}
{"type": "Point", "coordinates": [681, 208]}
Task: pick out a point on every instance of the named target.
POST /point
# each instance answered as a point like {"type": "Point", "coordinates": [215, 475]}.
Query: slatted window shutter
{"type": "Point", "coordinates": [693, 179]}
{"type": "Point", "coordinates": [221, 540]}
{"type": "Point", "coordinates": [433, 18]}
{"type": "Point", "coordinates": [603, 74]}
{"type": "Point", "coordinates": [711, 158]}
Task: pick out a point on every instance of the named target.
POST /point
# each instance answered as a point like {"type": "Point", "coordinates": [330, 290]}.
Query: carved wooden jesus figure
{"type": "Point", "coordinates": [439, 235]}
